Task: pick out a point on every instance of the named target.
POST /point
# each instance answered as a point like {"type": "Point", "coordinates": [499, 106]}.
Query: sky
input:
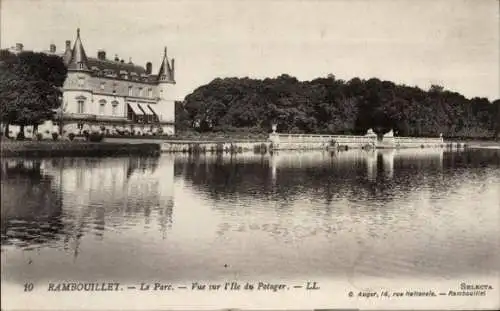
{"type": "Point", "coordinates": [453, 43]}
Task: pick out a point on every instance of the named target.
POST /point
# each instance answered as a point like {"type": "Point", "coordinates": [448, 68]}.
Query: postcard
{"type": "Point", "coordinates": [250, 155]}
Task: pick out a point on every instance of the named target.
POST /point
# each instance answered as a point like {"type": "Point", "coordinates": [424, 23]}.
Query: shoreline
{"type": "Point", "coordinates": [151, 146]}
{"type": "Point", "coordinates": [75, 149]}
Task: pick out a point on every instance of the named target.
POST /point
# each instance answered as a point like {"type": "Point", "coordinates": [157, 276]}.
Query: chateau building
{"type": "Point", "coordinates": [112, 95]}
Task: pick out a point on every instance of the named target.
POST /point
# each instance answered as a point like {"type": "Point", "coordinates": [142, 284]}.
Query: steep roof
{"type": "Point", "coordinates": [106, 67]}
{"type": "Point", "coordinates": [115, 66]}
{"type": "Point", "coordinates": [78, 55]}
{"type": "Point", "coordinates": [166, 72]}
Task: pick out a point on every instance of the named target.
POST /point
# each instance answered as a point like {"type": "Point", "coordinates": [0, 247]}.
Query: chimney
{"type": "Point", "coordinates": [101, 54]}
{"type": "Point", "coordinates": [130, 60]}
{"type": "Point", "coordinates": [68, 45]}
{"type": "Point", "coordinates": [19, 47]}
{"type": "Point", "coordinates": [149, 68]}
{"type": "Point", "coordinates": [116, 58]}
{"type": "Point", "coordinates": [52, 48]}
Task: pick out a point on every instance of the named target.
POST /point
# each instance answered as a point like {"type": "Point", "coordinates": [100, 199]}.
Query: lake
{"type": "Point", "coordinates": [416, 214]}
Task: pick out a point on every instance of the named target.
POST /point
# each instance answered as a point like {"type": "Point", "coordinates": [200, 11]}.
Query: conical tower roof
{"type": "Point", "coordinates": [79, 60]}
{"type": "Point", "coordinates": [166, 72]}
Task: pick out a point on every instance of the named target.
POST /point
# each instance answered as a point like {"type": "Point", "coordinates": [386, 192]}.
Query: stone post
{"type": "Point", "coordinates": [274, 137]}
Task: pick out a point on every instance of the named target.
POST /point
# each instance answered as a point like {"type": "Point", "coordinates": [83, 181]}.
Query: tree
{"type": "Point", "coordinates": [330, 105]}
{"type": "Point", "coordinates": [30, 87]}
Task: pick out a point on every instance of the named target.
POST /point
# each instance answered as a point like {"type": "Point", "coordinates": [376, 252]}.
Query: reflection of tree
{"type": "Point", "coordinates": [99, 194]}
{"type": "Point", "coordinates": [31, 207]}
{"type": "Point", "coordinates": [474, 158]}
{"type": "Point", "coordinates": [330, 179]}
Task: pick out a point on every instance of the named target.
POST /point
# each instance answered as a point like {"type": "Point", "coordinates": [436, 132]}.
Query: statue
{"type": "Point", "coordinates": [370, 133]}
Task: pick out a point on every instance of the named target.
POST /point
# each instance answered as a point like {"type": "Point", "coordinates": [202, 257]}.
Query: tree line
{"type": "Point", "coordinates": [31, 84]}
{"type": "Point", "coordinates": [334, 106]}
{"type": "Point", "coordinates": [30, 88]}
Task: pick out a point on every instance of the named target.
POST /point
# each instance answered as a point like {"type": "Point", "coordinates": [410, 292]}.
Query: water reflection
{"type": "Point", "coordinates": [62, 200]}
{"type": "Point", "coordinates": [354, 175]}
{"type": "Point", "coordinates": [181, 217]}
{"type": "Point", "coordinates": [31, 206]}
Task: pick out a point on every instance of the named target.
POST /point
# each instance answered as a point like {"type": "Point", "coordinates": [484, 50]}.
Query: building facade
{"type": "Point", "coordinates": [113, 96]}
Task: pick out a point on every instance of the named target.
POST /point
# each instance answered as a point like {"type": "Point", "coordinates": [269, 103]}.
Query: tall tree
{"type": "Point", "coordinates": [30, 87]}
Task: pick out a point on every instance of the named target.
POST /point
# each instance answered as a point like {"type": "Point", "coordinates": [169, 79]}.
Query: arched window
{"type": "Point", "coordinates": [102, 106]}
{"type": "Point", "coordinates": [114, 106]}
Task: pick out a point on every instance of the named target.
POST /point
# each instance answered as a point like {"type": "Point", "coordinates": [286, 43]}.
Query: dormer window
{"type": "Point", "coordinates": [108, 72]}
{"type": "Point", "coordinates": [80, 65]}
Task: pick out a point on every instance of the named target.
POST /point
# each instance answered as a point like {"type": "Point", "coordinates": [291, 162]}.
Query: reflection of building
{"type": "Point", "coordinates": [114, 95]}
{"type": "Point", "coordinates": [114, 192]}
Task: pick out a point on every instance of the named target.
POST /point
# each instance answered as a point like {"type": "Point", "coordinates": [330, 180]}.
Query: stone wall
{"type": "Point", "coordinates": [308, 142]}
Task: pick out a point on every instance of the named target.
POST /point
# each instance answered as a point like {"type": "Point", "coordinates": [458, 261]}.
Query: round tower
{"type": "Point", "coordinates": [77, 96]}
{"type": "Point", "coordinates": [167, 95]}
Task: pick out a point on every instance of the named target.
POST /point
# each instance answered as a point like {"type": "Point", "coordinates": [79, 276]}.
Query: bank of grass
{"type": "Point", "coordinates": [226, 137]}
{"type": "Point", "coordinates": [77, 148]}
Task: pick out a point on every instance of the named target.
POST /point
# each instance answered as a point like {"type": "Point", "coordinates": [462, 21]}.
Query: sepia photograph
{"type": "Point", "coordinates": [250, 155]}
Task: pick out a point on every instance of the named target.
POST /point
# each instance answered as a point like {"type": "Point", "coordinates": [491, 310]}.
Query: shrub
{"type": "Point", "coordinates": [96, 137]}
{"type": "Point", "coordinates": [55, 136]}
{"type": "Point", "coordinates": [71, 136]}
{"type": "Point", "coordinates": [39, 136]}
